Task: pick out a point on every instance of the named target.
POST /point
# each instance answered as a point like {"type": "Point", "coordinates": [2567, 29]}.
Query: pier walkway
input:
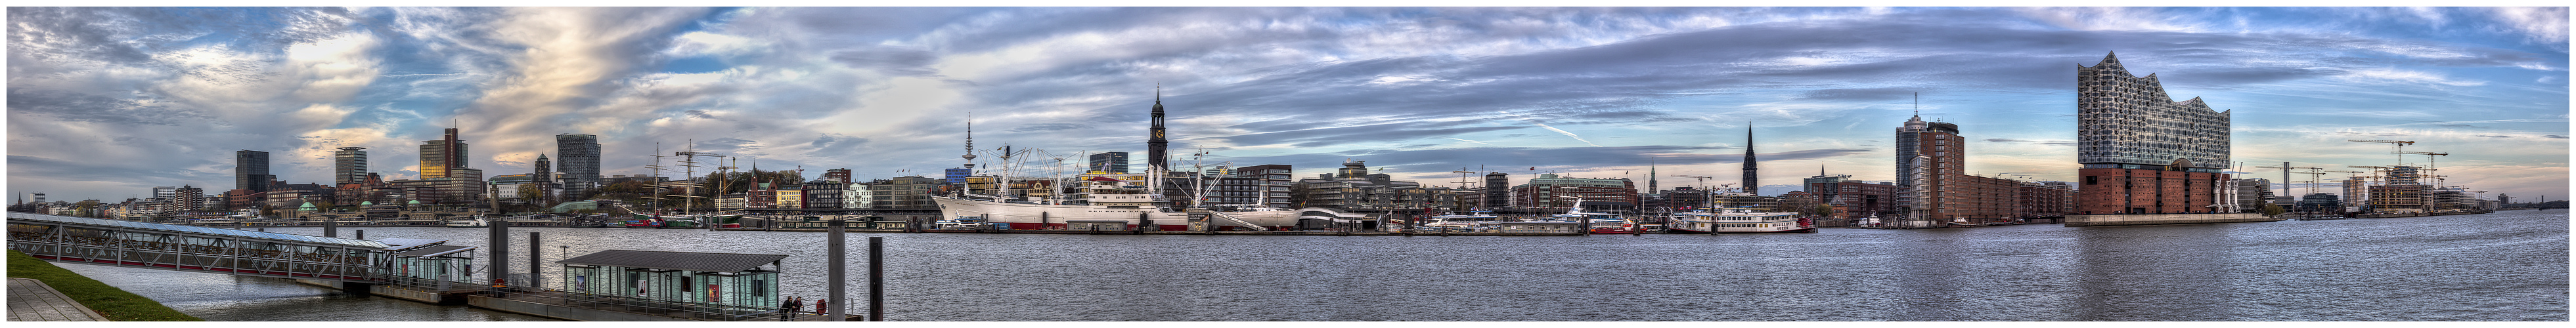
{"type": "Point", "coordinates": [32, 300]}
{"type": "Point", "coordinates": [170, 247]}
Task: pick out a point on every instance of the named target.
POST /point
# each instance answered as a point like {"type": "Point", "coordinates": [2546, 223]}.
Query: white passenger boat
{"type": "Point", "coordinates": [476, 222]}
{"type": "Point", "coordinates": [1740, 220]}
{"type": "Point", "coordinates": [1110, 199]}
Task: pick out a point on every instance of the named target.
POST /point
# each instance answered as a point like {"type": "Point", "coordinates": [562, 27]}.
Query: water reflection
{"type": "Point", "coordinates": [2505, 266]}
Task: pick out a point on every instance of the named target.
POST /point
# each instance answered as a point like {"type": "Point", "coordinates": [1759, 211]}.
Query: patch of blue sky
{"type": "Point", "coordinates": [694, 65]}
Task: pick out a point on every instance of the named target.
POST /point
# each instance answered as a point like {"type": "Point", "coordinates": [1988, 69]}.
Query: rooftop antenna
{"type": "Point", "coordinates": [1918, 104]}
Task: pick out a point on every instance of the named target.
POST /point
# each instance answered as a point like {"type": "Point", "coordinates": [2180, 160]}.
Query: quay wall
{"type": "Point", "coordinates": [1122, 232]}
{"type": "Point", "coordinates": [557, 311]}
{"type": "Point", "coordinates": [2147, 219]}
{"type": "Point", "coordinates": [416, 295]}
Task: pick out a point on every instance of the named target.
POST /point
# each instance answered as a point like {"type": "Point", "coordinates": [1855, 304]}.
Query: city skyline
{"type": "Point", "coordinates": [107, 102]}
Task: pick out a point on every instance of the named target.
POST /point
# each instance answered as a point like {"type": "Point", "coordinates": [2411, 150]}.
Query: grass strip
{"type": "Point", "coordinates": [116, 304]}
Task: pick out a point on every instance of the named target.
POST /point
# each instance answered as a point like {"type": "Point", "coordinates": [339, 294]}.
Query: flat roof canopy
{"type": "Point", "coordinates": [691, 261]}
{"type": "Point", "coordinates": [397, 244]}
{"type": "Point", "coordinates": [436, 250]}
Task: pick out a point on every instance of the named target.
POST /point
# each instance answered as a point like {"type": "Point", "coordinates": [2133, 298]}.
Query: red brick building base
{"type": "Point", "coordinates": [2145, 191]}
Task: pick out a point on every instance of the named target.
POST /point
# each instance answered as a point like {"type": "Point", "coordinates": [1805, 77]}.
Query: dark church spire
{"type": "Point", "coordinates": [1752, 184]}
{"type": "Point", "coordinates": [1155, 144]}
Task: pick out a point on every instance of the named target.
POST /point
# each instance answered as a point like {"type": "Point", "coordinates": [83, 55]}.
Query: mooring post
{"type": "Point", "coordinates": [535, 275]}
{"type": "Point", "coordinates": [330, 228]}
{"type": "Point", "coordinates": [876, 279]}
{"type": "Point", "coordinates": [362, 233]}
{"type": "Point", "coordinates": [500, 252]}
{"type": "Point", "coordinates": [837, 265]}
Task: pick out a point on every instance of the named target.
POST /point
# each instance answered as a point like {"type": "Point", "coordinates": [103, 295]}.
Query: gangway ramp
{"type": "Point", "coordinates": [196, 249]}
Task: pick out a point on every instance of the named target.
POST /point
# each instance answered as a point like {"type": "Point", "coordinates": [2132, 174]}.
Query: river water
{"type": "Point", "coordinates": [2509, 266]}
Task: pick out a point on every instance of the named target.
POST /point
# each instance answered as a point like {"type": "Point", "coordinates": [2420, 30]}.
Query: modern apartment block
{"type": "Point", "coordinates": [1275, 182]}
{"type": "Point", "coordinates": [1354, 189]}
{"type": "Point", "coordinates": [1108, 162]}
{"type": "Point", "coordinates": [903, 193]}
{"type": "Point", "coordinates": [1933, 180]}
{"type": "Point", "coordinates": [2141, 151]}
{"type": "Point", "coordinates": [1551, 193]}
{"type": "Point", "coordinates": [1853, 199]}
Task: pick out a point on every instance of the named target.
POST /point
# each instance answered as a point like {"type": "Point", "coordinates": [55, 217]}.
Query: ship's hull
{"type": "Point", "coordinates": [1044, 217]}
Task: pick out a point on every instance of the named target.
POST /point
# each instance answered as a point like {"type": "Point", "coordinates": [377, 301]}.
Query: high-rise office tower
{"type": "Point", "coordinates": [578, 154]}
{"type": "Point", "coordinates": [349, 165]}
{"type": "Point", "coordinates": [439, 158]}
{"type": "Point", "coordinates": [250, 170]}
{"type": "Point", "coordinates": [1917, 145]}
{"type": "Point", "coordinates": [2143, 152]}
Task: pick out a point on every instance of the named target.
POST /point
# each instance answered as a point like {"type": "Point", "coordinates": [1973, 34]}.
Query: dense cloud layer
{"type": "Point", "coordinates": [164, 95]}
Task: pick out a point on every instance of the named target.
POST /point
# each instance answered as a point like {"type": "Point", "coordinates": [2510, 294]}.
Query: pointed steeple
{"type": "Point", "coordinates": [1752, 181]}
{"type": "Point", "coordinates": [1651, 185]}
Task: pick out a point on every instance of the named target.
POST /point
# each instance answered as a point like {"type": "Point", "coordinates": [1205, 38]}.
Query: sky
{"type": "Point", "coordinates": [106, 103]}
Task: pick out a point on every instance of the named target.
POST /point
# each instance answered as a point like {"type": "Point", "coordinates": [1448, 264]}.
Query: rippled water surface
{"type": "Point", "coordinates": [2494, 267]}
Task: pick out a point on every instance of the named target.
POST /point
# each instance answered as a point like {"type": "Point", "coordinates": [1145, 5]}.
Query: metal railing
{"type": "Point", "coordinates": [165, 251]}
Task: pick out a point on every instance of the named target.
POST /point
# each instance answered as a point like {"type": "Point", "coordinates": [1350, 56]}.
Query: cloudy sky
{"type": "Point", "coordinates": [108, 102]}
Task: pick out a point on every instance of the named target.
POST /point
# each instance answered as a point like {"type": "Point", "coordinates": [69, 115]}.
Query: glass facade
{"type": "Point", "coordinates": [2128, 119]}
{"type": "Point", "coordinates": [754, 288]}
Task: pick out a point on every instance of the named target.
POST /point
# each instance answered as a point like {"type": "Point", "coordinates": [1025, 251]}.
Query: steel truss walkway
{"type": "Point", "coordinates": [196, 249]}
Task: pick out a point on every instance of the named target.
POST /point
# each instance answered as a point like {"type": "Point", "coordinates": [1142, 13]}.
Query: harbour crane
{"type": "Point", "coordinates": [2285, 175]}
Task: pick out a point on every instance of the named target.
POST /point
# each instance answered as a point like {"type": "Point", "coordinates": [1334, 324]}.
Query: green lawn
{"type": "Point", "coordinates": [116, 304]}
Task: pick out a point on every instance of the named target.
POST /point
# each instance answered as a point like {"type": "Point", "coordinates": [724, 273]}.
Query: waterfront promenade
{"type": "Point", "coordinates": [32, 300]}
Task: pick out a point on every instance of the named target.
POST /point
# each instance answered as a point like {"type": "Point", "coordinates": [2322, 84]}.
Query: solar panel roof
{"type": "Point", "coordinates": [14, 216]}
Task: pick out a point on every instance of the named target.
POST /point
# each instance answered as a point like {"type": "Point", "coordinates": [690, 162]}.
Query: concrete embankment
{"type": "Point", "coordinates": [2149, 219]}
{"type": "Point", "coordinates": [108, 301]}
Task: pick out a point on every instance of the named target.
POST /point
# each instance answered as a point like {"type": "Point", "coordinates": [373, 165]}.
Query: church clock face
{"type": "Point", "coordinates": [1158, 134]}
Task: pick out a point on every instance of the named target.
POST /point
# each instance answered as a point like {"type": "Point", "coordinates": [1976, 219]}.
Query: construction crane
{"type": "Point", "coordinates": [2350, 175]}
{"type": "Point", "coordinates": [2313, 174]}
{"type": "Point", "coordinates": [2401, 146]}
{"type": "Point", "coordinates": [2285, 175]}
{"type": "Point", "coordinates": [1703, 180]}
{"type": "Point", "coordinates": [2428, 163]}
